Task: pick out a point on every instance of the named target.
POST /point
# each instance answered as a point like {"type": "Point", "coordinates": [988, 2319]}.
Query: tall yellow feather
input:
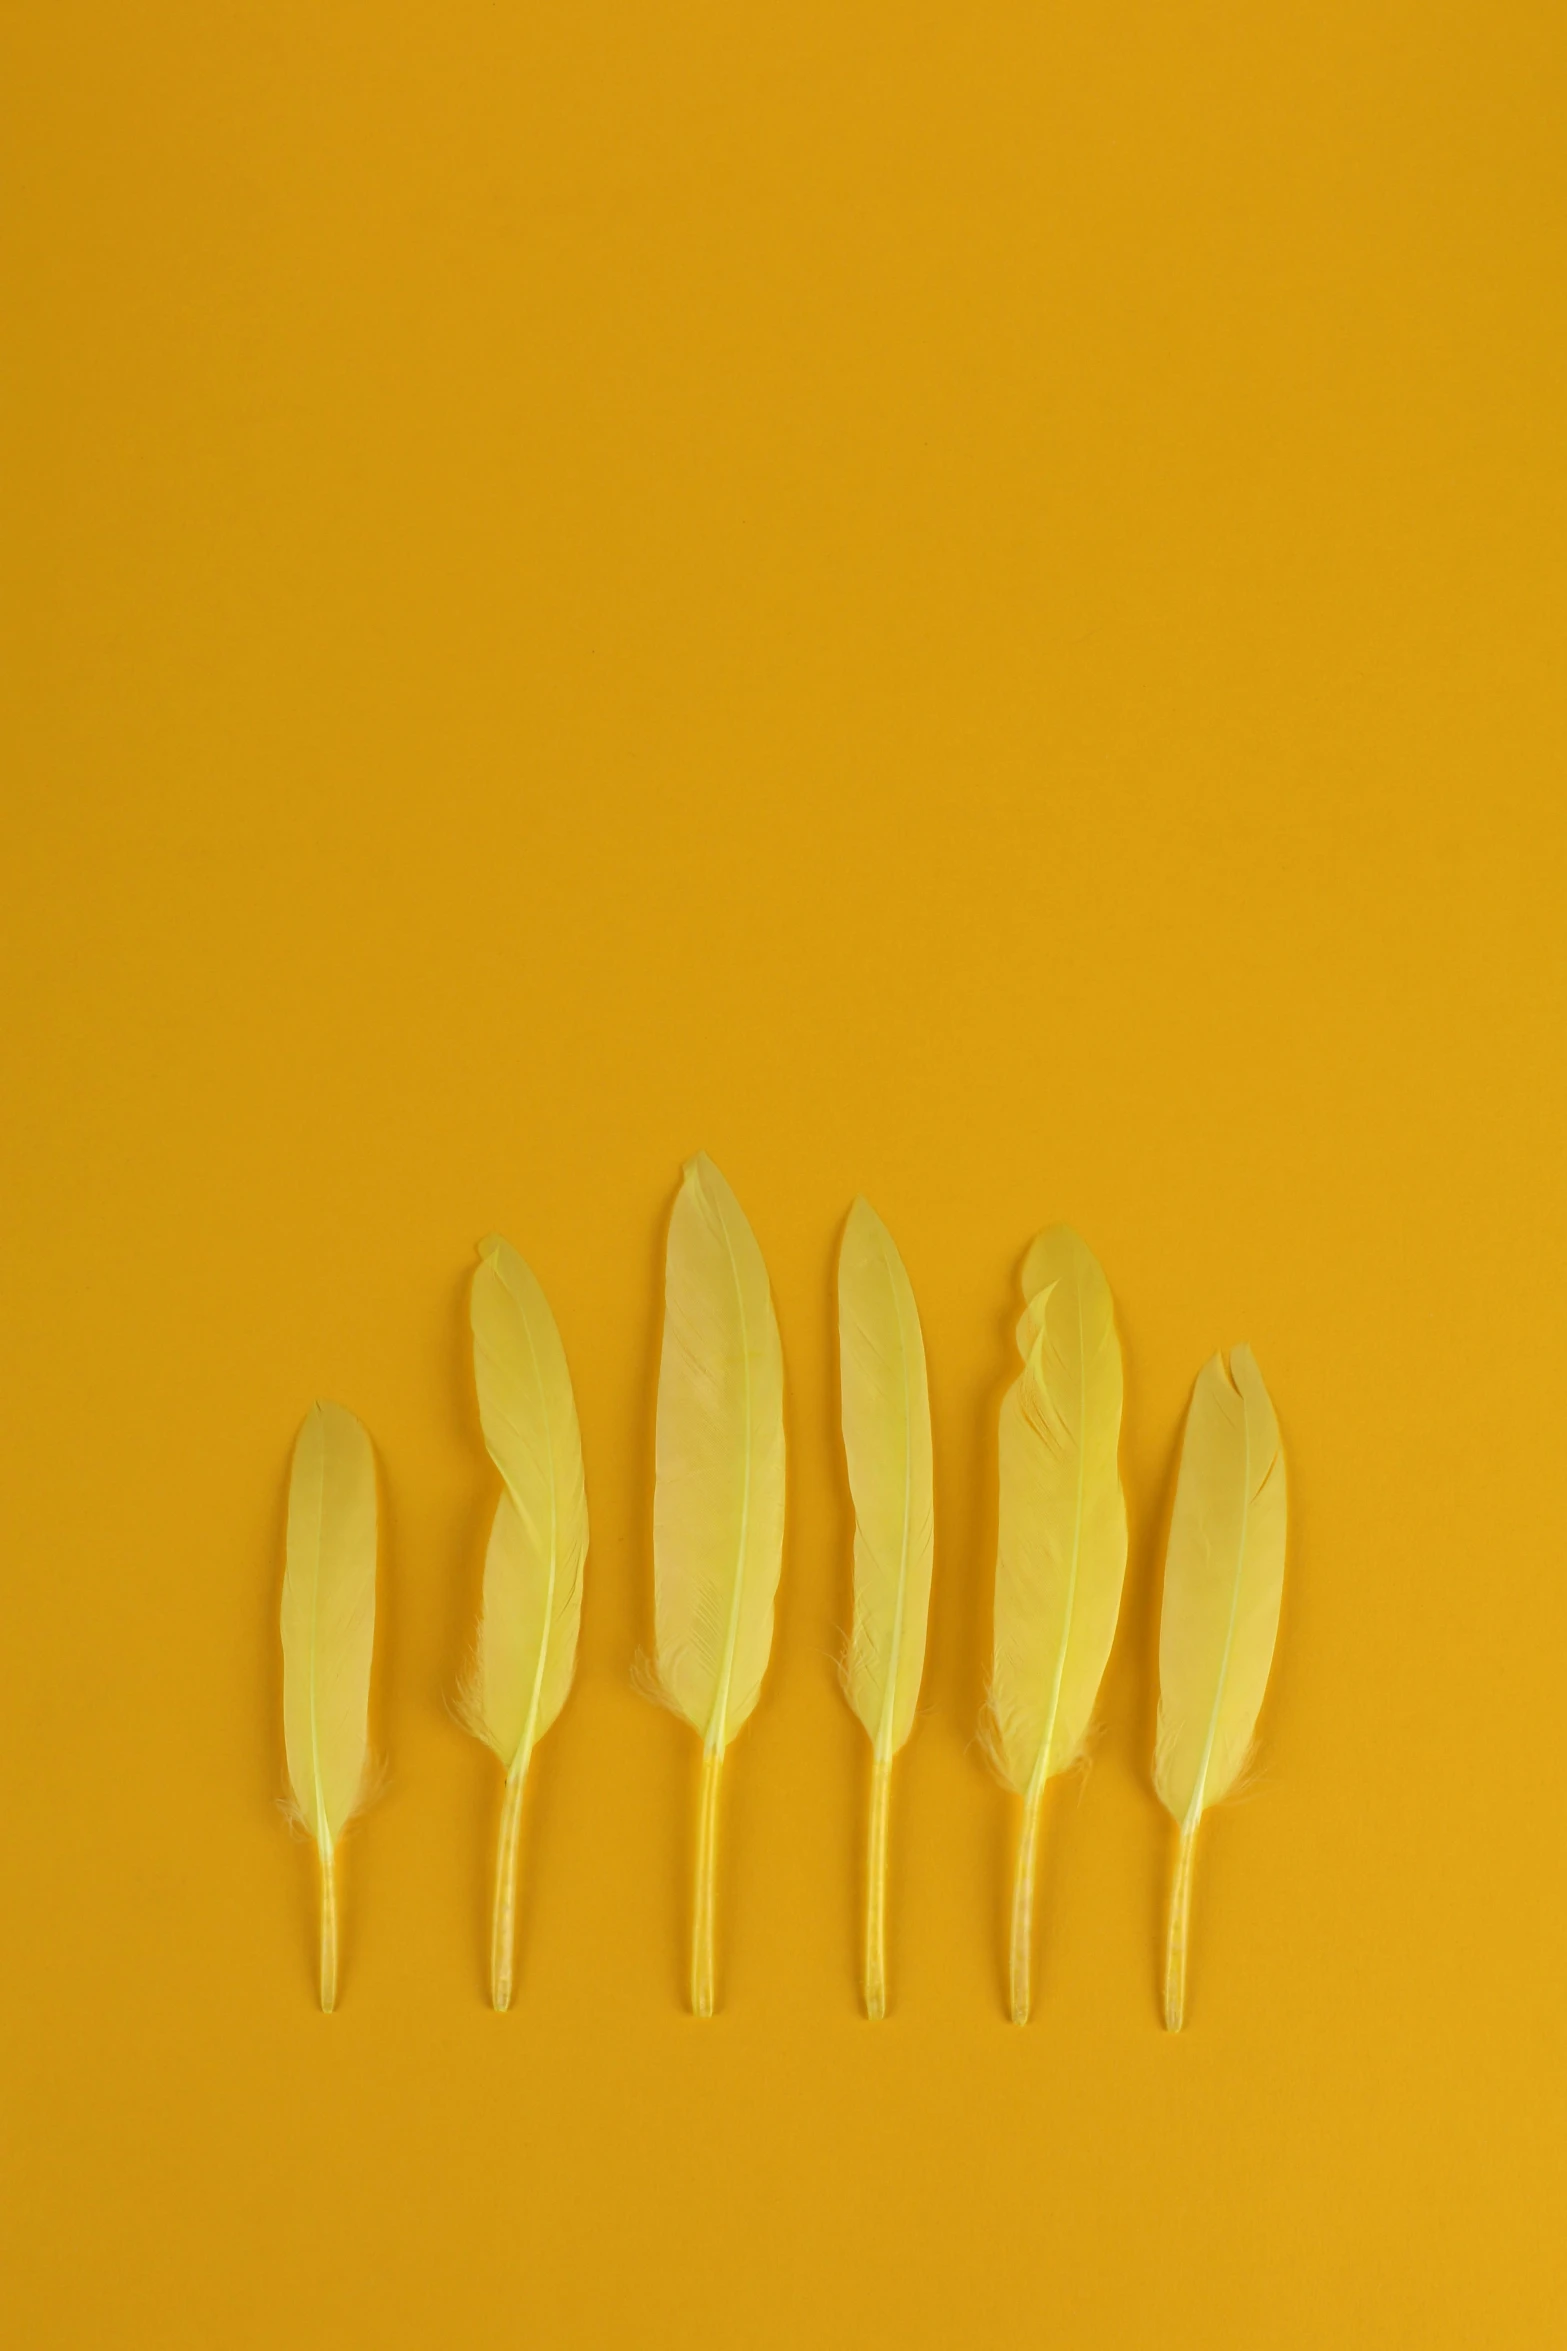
{"type": "Point", "coordinates": [886, 1438]}
{"type": "Point", "coordinates": [328, 1626]}
{"type": "Point", "coordinates": [1061, 1546]}
{"type": "Point", "coordinates": [718, 1497]}
{"type": "Point", "coordinates": [532, 1606]}
{"type": "Point", "coordinates": [1223, 1580]}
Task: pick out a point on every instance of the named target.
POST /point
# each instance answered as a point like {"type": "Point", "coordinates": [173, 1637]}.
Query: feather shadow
{"type": "Point", "coordinates": [676, 1876]}
{"type": "Point", "coordinates": [465, 1593]}
{"type": "Point", "coordinates": [274, 1788]}
{"type": "Point", "coordinates": [1140, 1649]}
{"type": "Point", "coordinates": [1003, 1812]}
{"type": "Point", "coordinates": [854, 1879]}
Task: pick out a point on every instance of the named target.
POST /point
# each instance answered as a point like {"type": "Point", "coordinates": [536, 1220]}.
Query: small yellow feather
{"type": "Point", "coordinates": [718, 1497]}
{"type": "Point", "coordinates": [1061, 1544]}
{"type": "Point", "coordinates": [886, 1440]}
{"type": "Point", "coordinates": [532, 1606]}
{"type": "Point", "coordinates": [1223, 1582]}
{"type": "Point", "coordinates": [328, 1629]}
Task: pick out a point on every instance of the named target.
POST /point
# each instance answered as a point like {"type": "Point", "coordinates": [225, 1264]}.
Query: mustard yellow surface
{"type": "Point", "coordinates": [963, 603]}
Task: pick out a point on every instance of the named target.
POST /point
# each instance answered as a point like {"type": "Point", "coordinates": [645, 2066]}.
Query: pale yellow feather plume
{"type": "Point", "coordinates": [1223, 1581]}
{"type": "Point", "coordinates": [527, 1645]}
{"type": "Point", "coordinates": [886, 1439]}
{"type": "Point", "coordinates": [1061, 1544]}
{"type": "Point", "coordinates": [718, 1498]}
{"type": "Point", "coordinates": [328, 1627]}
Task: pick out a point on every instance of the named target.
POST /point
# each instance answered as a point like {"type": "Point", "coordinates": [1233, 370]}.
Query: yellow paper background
{"type": "Point", "coordinates": [967, 603]}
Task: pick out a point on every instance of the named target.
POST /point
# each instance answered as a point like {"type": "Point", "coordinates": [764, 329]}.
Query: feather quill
{"type": "Point", "coordinates": [328, 1628]}
{"type": "Point", "coordinates": [532, 1605]}
{"type": "Point", "coordinates": [718, 1497]}
{"type": "Point", "coordinates": [1223, 1581]}
{"type": "Point", "coordinates": [1061, 1544]}
{"type": "Point", "coordinates": [886, 1439]}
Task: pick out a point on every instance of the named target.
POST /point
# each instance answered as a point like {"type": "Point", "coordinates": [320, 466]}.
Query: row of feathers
{"type": "Point", "coordinates": [718, 1515]}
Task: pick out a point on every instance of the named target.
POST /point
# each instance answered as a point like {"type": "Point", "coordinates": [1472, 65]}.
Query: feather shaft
{"type": "Point", "coordinates": [702, 1967]}
{"type": "Point", "coordinates": [1179, 1933]}
{"type": "Point", "coordinates": [503, 1930]}
{"type": "Point", "coordinates": [876, 1892]}
{"type": "Point", "coordinates": [328, 1932]}
{"type": "Point", "coordinates": [718, 1721]}
{"type": "Point", "coordinates": [1023, 1902]}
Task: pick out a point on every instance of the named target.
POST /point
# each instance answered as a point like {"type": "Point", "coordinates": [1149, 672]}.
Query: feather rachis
{"type": "Point", "coordinates": [1223, 1587]}
{"type": "Point", "coordinates": [525, 1652]}
{"type": "Point", "coordinates": [1054, 1432]}
{"type": "Point", "coordinates": [329, 1621]}
{"type": "Point", "coordinates": [718, 1494]}
{"type": "Point", "coordinates": [1061, 1544]}
{"type": "Point", "coordinates": [719, 1722]}
{"type": "Point", "coordinates": [886, 1423]}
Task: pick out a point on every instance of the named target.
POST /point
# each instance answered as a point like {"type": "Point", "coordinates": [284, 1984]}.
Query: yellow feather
{"type": "Point", "coordinates": [886, 1438]}
{"type": "Point", "coordinates": [1223, 1581]}
{"type": "Point", "coordinates": [328, 1628]}
{"type": "Point", "coordinates": [1061, 1547]}
{"type": "Point", "coordinates": [527, 1646]}
{"type": "Point", "coordinates": [718, 1500]}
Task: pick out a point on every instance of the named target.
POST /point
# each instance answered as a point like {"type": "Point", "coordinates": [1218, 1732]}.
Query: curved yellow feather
{"type": "Point", "coordinates": [718, 1497]}
{"type": "Point", "coordinates": [532, 1606]}
{"type": "Point", "coordinates": [1061, 1543]}
{"type": "Point", "coordinates": [328, 1629]}
{"type": "Point", "coordinates": [886, 1439]}
{"type": "Point", "coordinates": [1223, 1582]}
